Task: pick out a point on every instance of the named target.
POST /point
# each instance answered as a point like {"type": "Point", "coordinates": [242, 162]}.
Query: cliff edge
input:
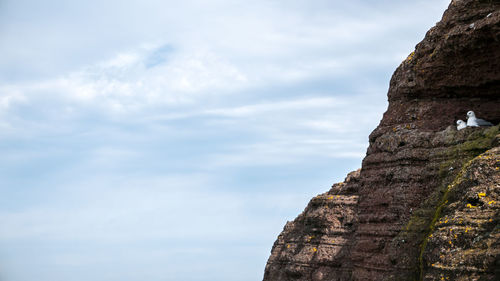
{"type": "Point", "coordinates": [426, 203]}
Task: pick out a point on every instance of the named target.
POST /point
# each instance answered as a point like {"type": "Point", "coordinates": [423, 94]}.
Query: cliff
{"type": "Point", "coordinates": [426, 203]}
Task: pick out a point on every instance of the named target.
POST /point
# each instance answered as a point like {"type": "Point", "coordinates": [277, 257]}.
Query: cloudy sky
{"type": "Point", "coordinates": [171, 140]}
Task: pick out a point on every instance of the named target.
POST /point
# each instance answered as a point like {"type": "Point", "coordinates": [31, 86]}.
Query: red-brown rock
{"type": "Point", "coordinates": [385, 221]}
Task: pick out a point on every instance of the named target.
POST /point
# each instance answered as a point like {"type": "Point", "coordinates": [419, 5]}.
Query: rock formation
{"type": "Point", "coordinates": [426, 203]}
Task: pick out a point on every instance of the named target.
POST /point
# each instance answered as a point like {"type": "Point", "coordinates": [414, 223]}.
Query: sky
{"type": "Point", "coordinates": [172, 140]}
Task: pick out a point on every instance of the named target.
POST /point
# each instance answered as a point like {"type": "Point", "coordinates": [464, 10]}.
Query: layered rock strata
{"type": "Point", "coordinates": [464, 241]}
{"type": "Point", "coordinates": [387, 220]}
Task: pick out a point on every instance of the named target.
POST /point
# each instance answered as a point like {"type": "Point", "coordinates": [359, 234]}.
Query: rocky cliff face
{"type": "Point", "coordinates": [425, 204]}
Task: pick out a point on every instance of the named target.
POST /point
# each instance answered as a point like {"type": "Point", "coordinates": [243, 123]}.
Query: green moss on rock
{"type": "Point", "coordinates": [456, 159]}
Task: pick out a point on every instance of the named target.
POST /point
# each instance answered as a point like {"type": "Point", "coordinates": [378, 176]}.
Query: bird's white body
{"type": "Point", "coordinates": [461, 125]}
{"type": "Point", "coordinates": [472, 121]}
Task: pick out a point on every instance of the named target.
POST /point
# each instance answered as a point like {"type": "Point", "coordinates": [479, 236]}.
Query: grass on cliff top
{"type": "Point", "coordinates": [477, 142]}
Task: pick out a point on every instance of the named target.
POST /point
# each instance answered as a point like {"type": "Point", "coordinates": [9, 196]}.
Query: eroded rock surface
{"type": "Point", "coordinates": [464, 241]}
{"type": "Point", "coordinates": [315, 246]}
{"type": "Point", "coordinates": [384, 221]}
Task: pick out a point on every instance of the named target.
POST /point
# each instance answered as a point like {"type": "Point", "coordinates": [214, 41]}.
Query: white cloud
{"type": "Point", "coordinates": [227, 48]}
{"type": "Point", "coordinates": [270, 107]}
{"type": "Point", "coordinates": [125, 84]}
{"type": "Point", "coordinates": [9, 96]}
{"type": "Point", "coordinates": [169, 128]}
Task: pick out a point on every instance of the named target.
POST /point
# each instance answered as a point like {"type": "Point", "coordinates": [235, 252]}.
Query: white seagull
{"type": "Point", "coordinates": [472, 121]}
{"type": "Point", "coordinates": [461, 125]}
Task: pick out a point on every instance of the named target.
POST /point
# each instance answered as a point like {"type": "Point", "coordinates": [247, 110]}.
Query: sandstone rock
{"type": "Point", "coordinates": [386, 221]}
{"type": "Point", "coordinates": [464, 241]}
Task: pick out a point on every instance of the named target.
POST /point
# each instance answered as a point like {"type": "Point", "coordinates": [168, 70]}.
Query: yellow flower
{"type": "Point", "coordinates": [481, 194]}
{"type": "Point", "coordinates": [315, 250]}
